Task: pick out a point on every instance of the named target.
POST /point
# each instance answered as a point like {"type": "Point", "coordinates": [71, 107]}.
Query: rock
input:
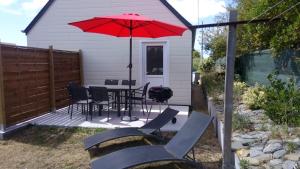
{"type": "Point", "coordinates": [274, 141]}
{"type": "Point", "coordinates": [272, 147]}
{"type": "Point", "coordinates": [252, 161]}
{"type": "Point", "coordinates": [279, 154]}
{"type": "Point", "coordinates": [296, 141]}
{"type": "Point", "coordinates": [275, 162]}
{"type": "Point", "coordinates": [245, 141]}
{"type": "Point", "coordinates": [264, 158]}
{"type": "Point", "coordinates": [236, 145]}
{"type": "Point", "coordinates": [289, 165]}
{"type": "Point", "coordinates": [243, 153]}
{"type": "Point", "coordinates": [255, 152]}
{"type": "Point", "coordinates": [292, 157]}
{"type": "Point", "coordinates": [258, 147]}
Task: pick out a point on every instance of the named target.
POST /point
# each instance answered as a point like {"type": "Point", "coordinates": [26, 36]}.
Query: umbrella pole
{"type": "Point", "coordinates": [130, 75]}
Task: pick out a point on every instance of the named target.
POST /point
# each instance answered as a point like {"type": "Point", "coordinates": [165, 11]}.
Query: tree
{"type": "Point", "coordinates": [278, 35]}
{"type": "Point", "coordinates": [196, 54]}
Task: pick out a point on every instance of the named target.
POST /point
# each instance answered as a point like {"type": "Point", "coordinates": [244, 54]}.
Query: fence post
{"type": "Point", "coordinates": [228, 158]}
{"type": "Point", "coordinates": [81, 68]}
{"type": "Point", "coordinates": [2, 102]}
{"type": "Point", "coordinates": [52, 82]}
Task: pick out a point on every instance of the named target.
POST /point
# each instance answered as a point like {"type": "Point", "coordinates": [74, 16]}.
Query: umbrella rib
{"type": "Point", "coordinates": [141, 25]}
{"type": "Point", "coordinates": [85, 30]}
{"type": "Point", "coordinates": [146, 29]}
{"type": "Point", "coordinates": [164, 28]}
{"type": "Point", "coordinates": [122, 25]}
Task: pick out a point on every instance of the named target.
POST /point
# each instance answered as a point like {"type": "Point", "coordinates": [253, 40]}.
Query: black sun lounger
{"type": "Point", "coordinates": [176, 150]}
{"type": "Point", "coordinates": [146, 130]}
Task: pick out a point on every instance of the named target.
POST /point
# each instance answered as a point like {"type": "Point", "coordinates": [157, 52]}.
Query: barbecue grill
{"type": "Point", "coordinates": [160, 95]}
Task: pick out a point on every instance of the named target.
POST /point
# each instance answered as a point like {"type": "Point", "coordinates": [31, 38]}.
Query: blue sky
{"type": "Point", "coordinates": [15, 15]}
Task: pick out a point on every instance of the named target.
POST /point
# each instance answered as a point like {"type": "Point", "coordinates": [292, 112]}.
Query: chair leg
{"type": "Point", "coordinates": [146, 105]}
{"type": "Point", "coordinates": [71, 112]}
{"type": "Point", "coordinates": [108, 112]}
{"type": "Point", "coordinates": [99, 110]}
{"type": "Point", "coordinates": [143, 108]}
{"type": "Point", "coordinates": [69, 108]}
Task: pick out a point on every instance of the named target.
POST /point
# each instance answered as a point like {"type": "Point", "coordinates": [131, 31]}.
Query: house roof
{"type": "Point", "coordinates": [50, 2]}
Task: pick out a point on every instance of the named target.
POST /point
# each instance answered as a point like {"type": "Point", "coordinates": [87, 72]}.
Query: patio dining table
{"type": "Point", "coordinates": [117, 89]}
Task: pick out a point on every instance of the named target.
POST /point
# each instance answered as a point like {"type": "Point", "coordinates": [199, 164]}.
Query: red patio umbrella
{"type": "Point", "coordinates": [129, 25]}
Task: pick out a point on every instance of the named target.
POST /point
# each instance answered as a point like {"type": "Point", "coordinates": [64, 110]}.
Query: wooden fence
{"type": "Point", "coordinates": [33, 81]}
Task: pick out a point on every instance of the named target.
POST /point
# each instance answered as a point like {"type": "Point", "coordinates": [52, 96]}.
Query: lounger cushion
{"type": "Point", "coordinates": [132, 157]}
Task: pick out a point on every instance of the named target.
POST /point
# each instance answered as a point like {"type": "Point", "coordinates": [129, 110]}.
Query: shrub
{"type": "Point", "coordinates": [282, 103]}
{"type": "Point", "coordinates": [291, 147]}
{"type": "Point", "coordinates": [238, 90]}
{"type": "Point", "coordinates": [254, 97]}
{"type": "Point", "coordinates": [241, 122]}
{"type": "Point", "coordinates": [213, 83]}
{"type": "Point", "coordinates": [244, 164]}
{"type": "Point", "coordinates": [207, 65]}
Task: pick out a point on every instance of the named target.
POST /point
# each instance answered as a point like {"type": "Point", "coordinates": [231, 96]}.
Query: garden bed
{"type": "Point", "coordinates": [263, 144]}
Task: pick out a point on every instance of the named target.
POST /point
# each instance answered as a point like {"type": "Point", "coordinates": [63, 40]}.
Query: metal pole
{"type": "Point", "coordinates": [228, 104]}
{"type": "Point", "coordinates": [130, 71]}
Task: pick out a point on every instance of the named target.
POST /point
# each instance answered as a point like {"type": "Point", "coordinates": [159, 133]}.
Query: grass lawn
{"type": "Point", "coordinates": [41, 147]}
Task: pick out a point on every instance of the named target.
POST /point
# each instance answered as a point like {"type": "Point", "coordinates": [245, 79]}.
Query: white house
{"type": "Point", "coordinates": [106, 57]}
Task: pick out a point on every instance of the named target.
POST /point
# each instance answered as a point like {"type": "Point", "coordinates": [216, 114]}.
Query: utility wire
{"type": "Point", "coordinates": [285, 11]}
{"type": "Point", "coordinates": [269, 8]}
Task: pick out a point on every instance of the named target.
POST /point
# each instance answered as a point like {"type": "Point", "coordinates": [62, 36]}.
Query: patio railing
{"type": "Point", "coordinates": [33, 81]}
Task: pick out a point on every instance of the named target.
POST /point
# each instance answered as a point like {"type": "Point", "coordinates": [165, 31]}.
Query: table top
{"type": "Point", "coordinates": [115, 87]}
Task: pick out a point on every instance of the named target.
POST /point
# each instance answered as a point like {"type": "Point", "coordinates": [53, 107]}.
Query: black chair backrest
{"type": "Point", "coordinates": [99, 93]}
{"type": "Point", "coordinates": [189, 134]}
{"type": "Point", "coordinates": [71, 86]}
{"type": "Point", "coordinates": [79, 93]}
{"type": "Point", "coordinates": [111, 82]}
{"type": "Point", "coordinates": [161, 120]}
{"type": "Point", "coordinates": [126, 82]}
{"type": "Point", "coordinates": [145, 89]}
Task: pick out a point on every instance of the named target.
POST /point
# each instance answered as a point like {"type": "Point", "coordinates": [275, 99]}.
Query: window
{"type": "Point", "coordinates": [155, 60]}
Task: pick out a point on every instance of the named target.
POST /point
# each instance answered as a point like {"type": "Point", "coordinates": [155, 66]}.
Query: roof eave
{"type": "Point", "coordinates": [50, 2]}
{"type": "Point", "coordinates": [177, 14]}
{"type": "Point", "coordinates": [37, 17]}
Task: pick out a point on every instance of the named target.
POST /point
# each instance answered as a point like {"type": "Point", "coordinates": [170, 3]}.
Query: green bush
{"type": "Point", "coordinates": [241, 122]}
{"type": "Point", "coordinates": [254, 97]}
{"type": "Point", "coordinates": [213, 83]}
{"type": "Point", "coordinates": [207, 65]}
{"type": "Point", "coordinates": [244, 164]}
{"type": "Point", "coordinates": [282, 103]}
{"type": "Point", "coordinates": [238, 90]}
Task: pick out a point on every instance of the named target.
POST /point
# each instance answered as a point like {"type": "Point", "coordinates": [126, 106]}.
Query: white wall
{"type": "Point", "coordinates": [106, 56]}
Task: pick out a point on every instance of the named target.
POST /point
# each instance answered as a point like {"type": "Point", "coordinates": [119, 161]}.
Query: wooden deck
{"type": "Point", "coordinates": [62, 118]}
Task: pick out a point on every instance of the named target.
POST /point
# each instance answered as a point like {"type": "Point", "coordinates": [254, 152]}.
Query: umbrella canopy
{"type": "Point", "coordinates": [129, 25]}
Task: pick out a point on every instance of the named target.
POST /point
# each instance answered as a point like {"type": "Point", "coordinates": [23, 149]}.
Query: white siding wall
{"type": "Point", "coordinates": [106, 56]}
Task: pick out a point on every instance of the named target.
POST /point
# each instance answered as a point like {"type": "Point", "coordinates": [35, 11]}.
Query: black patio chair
{"type": "Point", "coordinates": [70, 87]}
{"type": "Point", "coordinates": [140, 95]}
{"type": "Point", "coordinates": [100, 97]}
{"type": "Point", "coordinates": [80, 97]}
{"type": "Point", "coordinates": [115, 83]}
{"type": "Point", "coordinates": [148, 130]}
{"type": "Point", "coordinates": [123, 94]}
{"type": "Point", "coordinates": [175, 150]}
